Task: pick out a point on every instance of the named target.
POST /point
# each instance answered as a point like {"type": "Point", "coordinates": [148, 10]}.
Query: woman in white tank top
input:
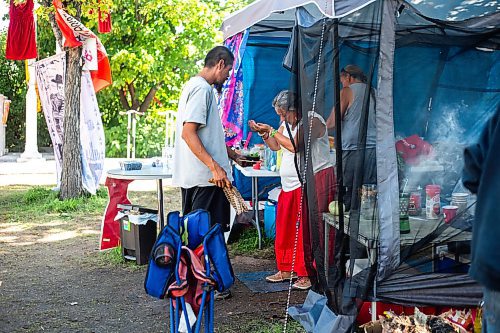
{"type": "Point", "coordinates": [291, 193]}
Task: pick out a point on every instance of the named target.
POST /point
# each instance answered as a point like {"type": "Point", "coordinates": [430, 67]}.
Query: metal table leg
{"type": "Point", "coordinates": [161, 215]}
{"type": "Point", "coordinates": [326, 243]}
{"type": "Point", "coordinates": [255, 205]}
{"type": "Point", "coordinates": [372, 259]}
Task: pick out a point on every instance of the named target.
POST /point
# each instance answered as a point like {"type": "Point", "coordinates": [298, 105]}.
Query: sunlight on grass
{"type": "Point", "coordinates": [41, 205]}
{"type": "Point", "coordinates": [8, 239]}
{"type": "Point", "coordinates": [6, 228]}
{"type": "Point", "coordinates": [58, 236]}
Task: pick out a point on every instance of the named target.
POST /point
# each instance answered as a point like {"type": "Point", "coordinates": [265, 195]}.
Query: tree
{"type": "Point", "coordinates": [71, 176]}
{"type": "Point", "coordinates": [153, 49]}
{"type": "Point", "coordinates": [154, 45]}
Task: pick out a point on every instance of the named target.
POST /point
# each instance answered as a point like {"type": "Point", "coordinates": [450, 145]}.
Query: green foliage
{"type": "Point", "coordinates": [112, 256]}
{"type": "Point", "coordinates": [13, 85]}
{"type": "Point", "coordinates": [154, 44]}
{"type": "Point", "coordinates": [150, 136]}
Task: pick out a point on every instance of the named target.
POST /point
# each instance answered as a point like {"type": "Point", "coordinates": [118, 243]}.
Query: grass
{"type": "Point", "coordinates": [113, 257]}
{"type": "Point", "coordinates": [19, 204]}
{"type": "Point", "coordinates": [263, 326]}
{"type": "Point", "coordinates": [247, 245]}
{"type": "Point", "coordinates": [38, 205]}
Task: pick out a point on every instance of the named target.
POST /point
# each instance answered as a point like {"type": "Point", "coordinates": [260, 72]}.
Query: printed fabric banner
{"type": "Point", "coordinates": [91, 136]}
{"type": "Point", "coordinates": [50, 73]}
{"type": "Point", "coordinates": [50, 82]}
{"type": "Point", "coordinates": [75, 34]}
{"type": "Point", "coordinates": [231, 102]}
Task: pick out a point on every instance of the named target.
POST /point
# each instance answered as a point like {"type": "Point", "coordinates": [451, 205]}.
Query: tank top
{"type": "Point", "coordinates": [288, 173]}
{"type": "Point", "coordinates": [320, 147]}
{"type": "Point", "coordinates": [352, 119]}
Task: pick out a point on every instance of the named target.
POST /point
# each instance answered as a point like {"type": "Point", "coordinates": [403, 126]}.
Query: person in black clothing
{"type": "Point", "coordinates": [481, 175]}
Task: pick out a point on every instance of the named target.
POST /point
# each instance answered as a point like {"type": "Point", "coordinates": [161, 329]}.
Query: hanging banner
{"type": "Point", "coordinates": [231, 102]}
{"type": "Point", "coordinates": [89, 55]}
{"type": "Point", "coordinates": [75, 34]}
{"type": "Point", "coordinates": [50, 73]}
{"type": "Point", "coordinates": [50, 82]}
{"type": "Point", "coordinates": [91, 136]}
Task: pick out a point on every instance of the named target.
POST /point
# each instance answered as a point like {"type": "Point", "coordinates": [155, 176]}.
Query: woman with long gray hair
{"type": "Point", "coordinates": [289, 200]}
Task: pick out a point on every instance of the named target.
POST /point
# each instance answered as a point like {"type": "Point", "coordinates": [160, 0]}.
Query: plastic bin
{"type": "Point", "coordinates": [270, 219]}
{"type": "Point", "coordinates": [137, 232]}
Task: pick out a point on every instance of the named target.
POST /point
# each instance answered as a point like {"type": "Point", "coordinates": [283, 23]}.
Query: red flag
{"type": "Point", "coordinates": [75, 34]}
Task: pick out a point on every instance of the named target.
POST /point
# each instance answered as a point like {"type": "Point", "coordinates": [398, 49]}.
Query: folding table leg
{"type": "Point", "coordinates": [327, 253]}
{"type": "Point", "coordinates": [255, 204]}
{"type": "Point", "coordinates": [161, 214]}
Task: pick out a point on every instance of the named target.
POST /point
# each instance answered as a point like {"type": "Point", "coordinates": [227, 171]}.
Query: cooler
{"type": "Point", "coordinates": [270, 219]}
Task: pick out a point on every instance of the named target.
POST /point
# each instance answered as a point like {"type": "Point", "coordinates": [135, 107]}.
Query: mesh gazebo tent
{"type": "Point", "coordinates": [435, 84]}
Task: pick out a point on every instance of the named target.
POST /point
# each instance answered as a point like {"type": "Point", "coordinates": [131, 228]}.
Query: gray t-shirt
{"type": "Point", "coordinates": [352, 120]}
{"type": "Point", "coordinates": [197, 104]}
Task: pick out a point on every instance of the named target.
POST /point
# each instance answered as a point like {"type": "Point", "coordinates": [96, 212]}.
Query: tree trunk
{"type": "Point", "coordinates": [53, 23]}
{"type": "Point", "coordinates": [55, 29]}
{"type": "Point", "coordinates": [71, 178]}
{"type": "Point", "coordinates": [149, 98]}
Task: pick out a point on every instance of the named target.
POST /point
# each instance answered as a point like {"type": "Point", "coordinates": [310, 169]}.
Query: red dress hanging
{"type": "Point", "coordinates": [21, 37]}
{"type": "Point", "coordinates": [104, 25]}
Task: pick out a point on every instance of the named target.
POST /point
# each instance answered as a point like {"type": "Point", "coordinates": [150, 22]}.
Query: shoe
{"type": "Point", "coordinates": [221, 295]}
{"type": "Point", "coordinates": [281, 276]}
{"type": "Point", "coordinates": [303, 283]}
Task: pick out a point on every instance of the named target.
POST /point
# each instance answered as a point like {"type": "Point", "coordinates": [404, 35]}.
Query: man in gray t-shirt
{"type": "Point", "coordinates": [201, 164]}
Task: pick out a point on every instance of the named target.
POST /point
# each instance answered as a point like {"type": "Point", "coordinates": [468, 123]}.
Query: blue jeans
{"type": "Point", "coordinates": [491, 311]}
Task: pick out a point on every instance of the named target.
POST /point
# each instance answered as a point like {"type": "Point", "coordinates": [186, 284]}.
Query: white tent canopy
{"type": "Point", "coordinates": [283, 10]}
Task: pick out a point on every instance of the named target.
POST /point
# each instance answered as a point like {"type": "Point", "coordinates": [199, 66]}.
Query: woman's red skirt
{"type": "Point", "coordinates": [284, 244]}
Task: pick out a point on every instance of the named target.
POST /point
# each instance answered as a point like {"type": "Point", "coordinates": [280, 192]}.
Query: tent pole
{"type": "Point", "coordinates": [340, 237]}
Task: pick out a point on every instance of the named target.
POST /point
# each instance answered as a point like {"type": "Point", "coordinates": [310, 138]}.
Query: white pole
{"type": "Point", "coordinates": [134, 119]}
{"type": "Point", "coordinates": [31, 147]}
{"type": "Point", "coordinates": [129, 128]}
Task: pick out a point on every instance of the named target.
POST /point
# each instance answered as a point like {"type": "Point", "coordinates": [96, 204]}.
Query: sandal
{"type": "Point", "coordinates": [281, 276]}
{"type": "Point", "coordinates": [303, 283]}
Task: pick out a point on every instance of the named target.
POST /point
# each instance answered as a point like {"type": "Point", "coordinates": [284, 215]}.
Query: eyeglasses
{"type": "Point", "coordinates": [343, 72]}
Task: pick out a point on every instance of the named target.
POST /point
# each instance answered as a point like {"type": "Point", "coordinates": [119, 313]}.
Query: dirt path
{"type": "Point", "coordinates": [53, 279]}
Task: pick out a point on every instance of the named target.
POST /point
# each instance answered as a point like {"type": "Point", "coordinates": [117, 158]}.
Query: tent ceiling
{"type": "Point", "coordinates": [275, 18]}
{"type": "Point", "coordinates": [284, 10]}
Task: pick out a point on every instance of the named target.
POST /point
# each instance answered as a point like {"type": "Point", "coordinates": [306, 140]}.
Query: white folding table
{"type": "Point", "coordinates": [255, 175]}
